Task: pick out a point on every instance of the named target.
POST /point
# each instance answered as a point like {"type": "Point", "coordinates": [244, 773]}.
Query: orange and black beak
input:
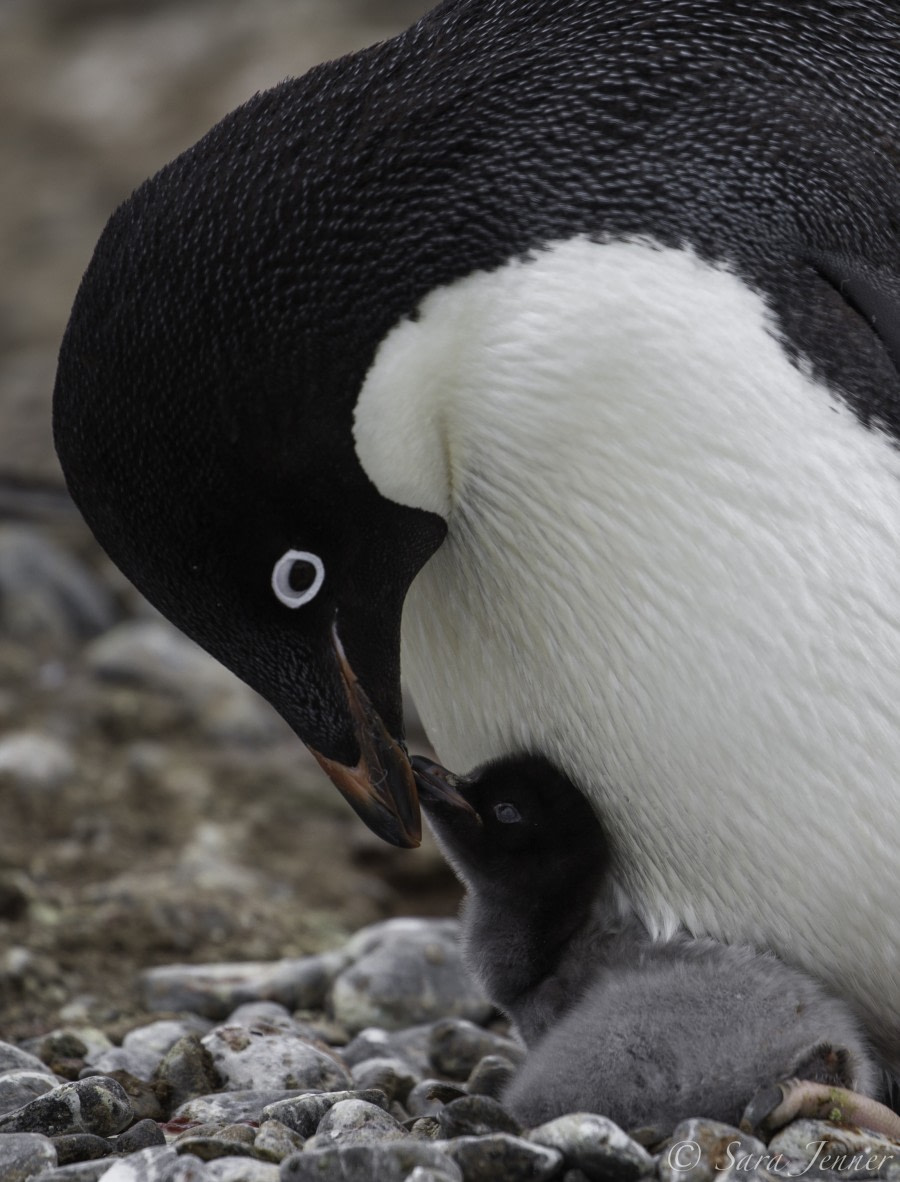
{"type": "Point", "coordinates": [381, 787]}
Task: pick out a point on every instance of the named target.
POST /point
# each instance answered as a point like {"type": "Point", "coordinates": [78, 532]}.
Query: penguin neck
{"type": "Point", "coordinates": [662, 535]}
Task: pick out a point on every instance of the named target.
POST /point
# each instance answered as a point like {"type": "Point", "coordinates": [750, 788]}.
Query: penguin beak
{"type": "Point", "coordinates": [438, 786]}
{"type": "Point", "coordinates": [381, 788]}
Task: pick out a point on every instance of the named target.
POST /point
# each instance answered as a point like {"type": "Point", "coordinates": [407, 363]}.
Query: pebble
{"type": "Point", "coordinates": [13, 1058]}
{"type": "Point", "coordinates": [501, 1156]}
{"type": "Point", "coordinates": [88, 1106]}
{"type": "Point", "coordinates": [363, 1163]}
{"type": "Point", "coordinates": [411, 1045]}
{"type": "Point", "coordinates": [214, 991]}
{"type": "Point", "coordinates": [147, 1165]}
{"type": "Point", "coordinates": [82, 1171]}
{"type": "Point", "coordinates": [142, 1135]}
{"type": "Point", "coordinates": [490, 1076]}
{"type": "Point", "coordinates": [456, 1047]}
{"type": "Point", "coordinates": [275, 1141]}
{"type": "Point", "coordinates": [812, 1140]}
{"type": "Point", "coordinates": [474, 1116]}
{"type": "Point", "coordinates": [252, 1057]}
{"type": "Point", "coordinates": [187, 1070]}
{"type": "Point", "coordinates": [154, 655]}
{"type": "Point", "coordinates": [18, 1088]}
{"type": "Point", "coordinates": [406, 971]}
{"type": "Point", "coordinates": [429, 1174]}
{"type": "Point", "coordinates": [160, 1036]}
{"type": "Point", "coordinates": [230, 1107]}
{"type": "Point", "coordinates": [596, 1146]}
{"type": "Point", "coordinates": [392, 1076]}
{"type": "Point", "coordinates": [229, 1170]}
{"type": "Point", "coordinates": [430, 1095]}
{"type": "Point", "coordinates": [303, 1113]}
{"type": "Point", "coordinates": [23, 1155]}
{"type": "Point", "coordinates": [144, 1098]}
{"type": "Point", "coordinates": [210, 1148]}
{"type": "Point", "coordinates": [46, 593]}
{"type": "Point", "coordinates": [34, 761]}
{"type": "Point", "coordinates": [712, 1150]}
{"type": "Point", "coordinates": [141, 1064]}
{"type": "Point", "coordinates": [81, 1147]}
{"type": "Point", "coordinates": [356, 1122]}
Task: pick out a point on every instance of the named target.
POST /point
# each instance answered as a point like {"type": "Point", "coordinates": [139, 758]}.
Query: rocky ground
{"type": "Point", "coordinates": [375, 1062]}
{"type": "Point", "coordinates": [151, 808]}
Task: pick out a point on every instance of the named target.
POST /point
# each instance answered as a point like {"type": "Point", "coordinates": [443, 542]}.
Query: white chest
{"type": "Point", "coordinates": [672, 565]}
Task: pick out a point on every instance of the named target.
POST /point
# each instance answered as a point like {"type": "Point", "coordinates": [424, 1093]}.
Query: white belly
{"type": "Point", "coordinates": [673, 566]}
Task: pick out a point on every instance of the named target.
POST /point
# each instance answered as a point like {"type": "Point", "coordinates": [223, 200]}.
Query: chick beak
{"type": "Point", "coordinates": [381, 788]}
{"type": "Point", "coordinates": [438, 786]}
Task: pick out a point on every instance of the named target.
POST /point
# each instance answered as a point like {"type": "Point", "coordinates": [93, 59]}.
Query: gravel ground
{"type": "Point", "coordinates": [375, 1062]}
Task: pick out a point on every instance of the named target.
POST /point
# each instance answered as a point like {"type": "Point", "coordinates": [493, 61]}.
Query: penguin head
{"type": "Point", "coordinates": [519, 823]}
{"type": "Point", "coordinates": [203, 416]}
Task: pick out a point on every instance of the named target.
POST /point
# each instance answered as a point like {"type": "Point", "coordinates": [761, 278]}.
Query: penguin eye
{"type": "Point", "coordinates": [507, 814]}
{"type": "Point", "coordinates": [297, 577]}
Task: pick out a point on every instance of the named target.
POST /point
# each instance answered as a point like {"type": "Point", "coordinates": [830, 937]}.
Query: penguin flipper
{"type": "Point", "coordinates": [870, 290]}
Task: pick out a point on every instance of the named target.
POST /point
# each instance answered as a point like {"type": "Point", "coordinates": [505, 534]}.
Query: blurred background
{"type": "Point", "coordinates": [152, 809]}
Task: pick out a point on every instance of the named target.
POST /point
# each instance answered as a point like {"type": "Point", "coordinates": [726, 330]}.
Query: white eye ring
{"type": "Point", "coordinates": [281, 578]}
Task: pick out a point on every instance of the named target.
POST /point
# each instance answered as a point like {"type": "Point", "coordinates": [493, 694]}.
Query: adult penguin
{"type": "Point", "coordinates": [584, 316]}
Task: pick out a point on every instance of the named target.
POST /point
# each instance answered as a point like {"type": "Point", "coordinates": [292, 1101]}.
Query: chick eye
{"type": "Point", "coordinates": [507, 814]}
{"type": "Point", "coordinates": [297, 577]}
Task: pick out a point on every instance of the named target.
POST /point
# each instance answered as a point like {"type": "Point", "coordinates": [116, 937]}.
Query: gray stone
{"type": "Point", "coordinates": [73, 1042]}
{"type": "Point", "coordinates": [152, 654]}
{"type": "Point", "coordinates": [406, 971]}
{"type": "Point", "coordinates": [275, 1141]}
{"type": "Point", "coordinates": [393, 1076]}
{"type": "Point", "coordinates": [159, 1037]}
{"type": "Point", "coordinates": [248, 1057]}
{"type": "Point", "coordinates": [475, 1116]}
{"type": "Point", "coordinates": [234, 1107]}
{"type": "Point", "coordinates": [424, 1128]}
{"type": "Point", "coordinates": [46, 594]}
{"type": "Point", "coordinates": [23, 1155]}
{"type": "Point", "coordinates": [499, 1155]}
{"type": "Point", "coordinates": [189, 1169]}
{"type": "Point", "coordinates": [13, 1058]}
{"type": "Point", "coordinates": [215, 991]}
{"type": "Point", "coordinates": [30, 760]}
{"type": "Point", "coordinates": [187, 1069]}
{"type": "Point", "coordinates": [147, 1165]}
{"type": "Point", "coordinates": [81, 1171]}
{"type": "Point", "coordinates": [81, 1147]}
{"type": "Point", "coordinates": [430, 1095]}
{"type": "Point", "coordinates": [594, 1145]}
{"type": "Point", "coordinates": [268, 1015]}
{"type": "Point", "coordinates": [410, 1044]}
{"type": "Point", "coordinates": [87, 1106]}
{"type": "Point", "coordinates": [245, 1170]}
{"type": "Point", "coordinates": [304, 1112]}
{"type": "Point", "coordinates": [850, 1151]}
{"type": "Point", "coordinates": [705, 1151]}
{"type": "Point", "coordinates": [364, 1163]}
{"type": "Point", "coordinates": [208, 1148]}
{"type": "Point", "coordinates": [429, 1174]}
{"type": "Point", "coordinates": [18, 1088]}
{"type": "Point", "coordinates": [457, 1046]}
{"type": "Point", "coordinates": [356, 1122]}
{"type": "Point", "coordinates": [490, 1076]}
{"type": "Point", "coordinates": [141, 1064]}
{"type": "Point", "coordinates": [142, 1135]}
